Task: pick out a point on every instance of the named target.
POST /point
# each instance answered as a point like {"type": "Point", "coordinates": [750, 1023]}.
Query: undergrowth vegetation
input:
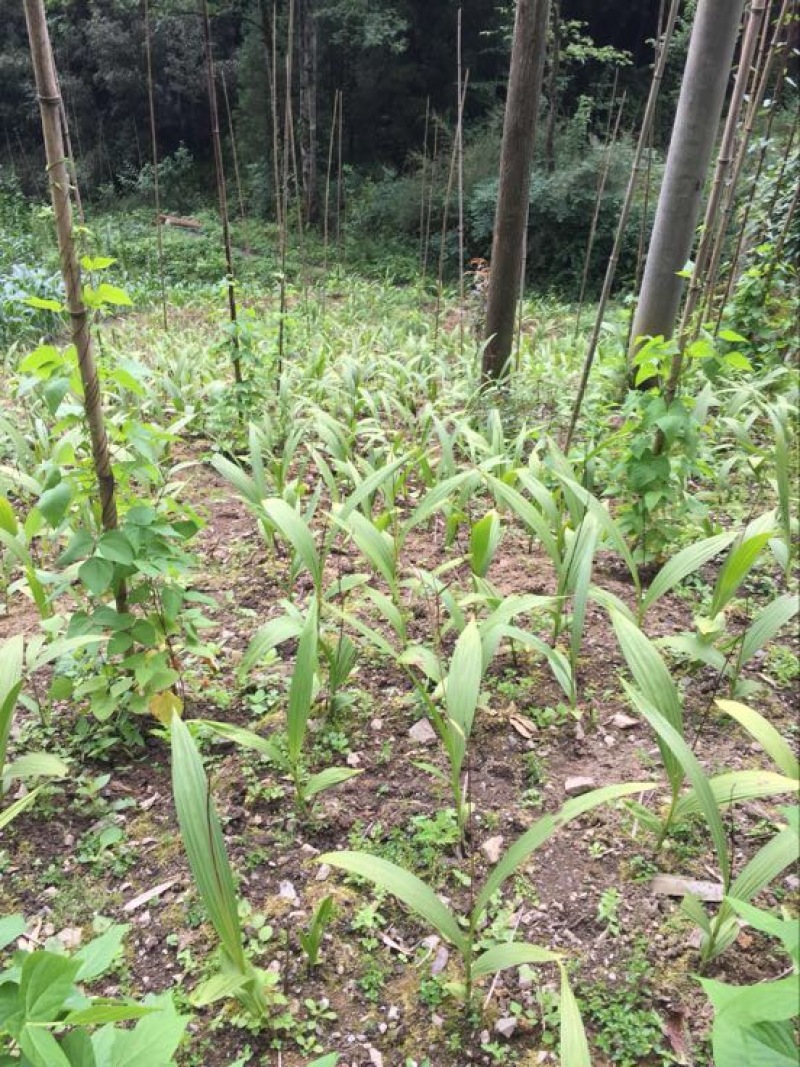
{"type": "Point", "coordinates": [370, 604]}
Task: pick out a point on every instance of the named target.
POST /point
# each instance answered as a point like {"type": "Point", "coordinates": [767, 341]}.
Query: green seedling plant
{"type": "Point", "coordinates": [202, 839]}
{"type": "Point", "coordinates": [464, 932]}
{"type": "Point", "coordinates": [48, 1020]}
{"type": "Point", "coordinates": [311, 939]}
{"type": "Point", "coordinates": [757, 1023]}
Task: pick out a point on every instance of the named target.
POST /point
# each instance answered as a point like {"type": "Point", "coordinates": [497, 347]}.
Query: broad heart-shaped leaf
{"type": "Point", "coordinates": [154, 1039]}
{"type": "Point", "coordinates": [203, 842]}
{"type": "Point", "coordinates": [574, 1049]}
{"type": "Point", "coordinates": [37, 765]}
{"type": "Point", "coordinates": [41, 1049]}
{"type": "Point", "coordinates": [218, 987]}
{"type": "Point", "coordinates": [683, 564]}
{"type": "Point", "coordinates": [409, 889]}
{"type": "Point", "coordinates": [294, 528]}
{"type": "Point", "coordinates": [53, 503]}
{"type": "Point", "coordinates": [97, 955]}
{"type": "Point", "coordinates": [45, 983]}
{"type": "Point", "coordinates": [96, 574]}
{"type": "Point", "coordinates": [109, 294]}
{"type": "Point", "coordinates": [655, 682]}
{"type": "Point", "coordinates": [11, 927]}
{"type": "Point", "coordinates": [327, 779]}
{"type": "Point", "coordinates": [77, 1045]}
{"type": "Point", "coordinates": [101, 1012]}
{"type": "Point", "coordinates": [484, 538]}
{"type": "Point", "coordinates": [512, 954]}
{"type": "Point", "coordinates": [301, 687]}
{"type": "Point", "coordinates": [543, 829]}
{"type": "Point", "coordinates": [767, 624]}
{"type": "Point", "coordinates": [463, 687]}
{"type": "Point", "coordinates": [115, 546]}
{"type": "Point", "coordinates": [735, 787]}
{"type": "Point", "coordinates": [694, 772]}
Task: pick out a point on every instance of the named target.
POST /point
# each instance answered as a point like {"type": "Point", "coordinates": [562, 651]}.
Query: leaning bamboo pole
{"type": "Point", "coordinates": [644, 134]}
{"type": "Point", "coordinates": [222, 195]}
{"type": "Point", "coordinates": [460, 150]}
{"type": "Point", "coordinates": [722, 174]}
{"type": "Point", "coordinates": [154, 153]}
{"type": "Point", "coordinates": [448, 193]}
{"type": "Point", "coordinates": [51, 116]}
{"type": "Point", "coordinates": [778, 50]}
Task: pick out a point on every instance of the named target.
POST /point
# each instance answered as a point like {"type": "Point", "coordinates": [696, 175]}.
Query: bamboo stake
{"type": "Point", "coordinates": [644, 133]}
{"type": "Point", "coordinates": [460, 146]}
{"type": "Point", "coordinates": [154, 153]}
{"type": "Point", "coordinates": [234, 151]}
{"type": "Point", "coordinates": [422, 186]}
{"type": "Point", "coordinates": [340, 201]}
{"type": "Point", "coordinates": [76, 191]}
{"type": "Point", "coordinates": [283, 234]}
{"type": "Point", "coordinates": [721, 173]}
{"type": "Point", "coordinates": [222, 195]}
{"type": "Point", "coordinates": [434, 161]}
{"type": "Point", "coordinates": [602, 178]}
{"type": "Point", "coordinates": [50, 110]}
{"type": "Point", "coordinates": [447, 195]}
{"type": "Point", "coordinates": [776, 48]}
{"type": "Point", "coordinates": [328, 175]}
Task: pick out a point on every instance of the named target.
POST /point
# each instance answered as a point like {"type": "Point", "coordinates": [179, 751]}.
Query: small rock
{"type": "Point", "coordinates": [375, 1057]}
{"type": "Point", "coordinates": [422, 732]}
{"type": "Point", "coordinates": [792, 883]}
{"type": "Point", "coordinates": [376, 724]}
{"type": "Point", "coordinates": [575, 787]}
{"type": "Point", "coordinates": [309, 850]}
{"type": "Point", "coordinates": [440, 960]}
{"type": "Point", "coordinates": [353, 759]}
{"type": "Point", "coordinates": [324, 872]}
{"type": "Point", "coordinates": [437, 1021]}
{"type": "Point", "coordinates": [624, 722]}
{"type": "Point", "coordinates": [506, 1027]}
{"type": "Point", "coordinates": [286, 891]}
{"type": "Point", "coordinates": [393, 1014]}
{"type": "Point", "coordinates": [70, 936]}
{"type": "Point", "coordinates": [609, 741]}
{"type": "Point", "coordinates": [491, 848]}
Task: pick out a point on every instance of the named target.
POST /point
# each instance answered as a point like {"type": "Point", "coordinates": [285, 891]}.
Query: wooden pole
{"type": "Point", "coordinates": [51, 115]}
{"type": "Point", "coordinates": [154, 154]}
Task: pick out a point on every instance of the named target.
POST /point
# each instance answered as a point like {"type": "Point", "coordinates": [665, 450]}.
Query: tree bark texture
{"type": "Point", "coordinates": [705, 79]}
{"type": "Point", "coordinates": [516, 158]}
{"type": "Point", "coordinates": [50, 106]}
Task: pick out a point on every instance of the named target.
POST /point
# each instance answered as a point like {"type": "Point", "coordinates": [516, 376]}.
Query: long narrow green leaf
{"type": "Point", "coordinates": [579, 563]}
{"type": "Point", "coordinates": [372, 484]}
{"type": "Point", "coordinates": [484, 538]}
{"type": "Point", "coordinates": [438, 497]}
{"type": "Point", "coordinates": [741, 560]}
{"type": "Point", "coordinates": [693, 771]}
{"type": "Point", "coordinates": [266, 638]}
{"type": "Point", "coordinates": [543, 829]}
{"type": "Point", "coordinates": [240, 736]}
{"type": "Point", "coordinates": [301, 687]}
{"type": "Point", "coordinates": [778, 750]}
{"type": "Point", "coordinates": [574, 1050]}
{"type": "Point", "coordinates": [463, 687]}
{"type": "Point", "coordinates": [766, 625]}
{"type": "Point", "coordinates": [294, 528]}
{"type": "Point", "coordinates": [527, 514]}
{"type": "Point", "coordinates": [203, 842]}
{"type": "Point", "coordinates": [327, 779]}
{"type": "Point", "coordinates": [735, 787]}
{"type": "Point", "coordinates": [376, 545]}
{"type": "Point", "coordinates": [559, 664]}
{"type": "Point", "coordinates": [244, 485]}
{"type": "Point", "coordinates": [413, 892]}
{"type": "Point", "coordinates": [511, 954]}
{"type": "Point", "coordinates": [655, 682]}
{"type": "Point", "coordinates": [11, 659]}
{"type": "Point", "coordinates": [10, 813]}
{"type": "Point", "coordinates": [686, 562]}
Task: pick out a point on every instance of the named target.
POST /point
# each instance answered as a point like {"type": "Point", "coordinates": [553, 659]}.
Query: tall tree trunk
{"type": "Point", "coordinates": [702, 95]}
{"type": "Point", "coordinates": [516, 159]}
{"type": "Point", "coordinates": [50, 106]}
{"type": "Point", "coordinates": [308, 105]}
